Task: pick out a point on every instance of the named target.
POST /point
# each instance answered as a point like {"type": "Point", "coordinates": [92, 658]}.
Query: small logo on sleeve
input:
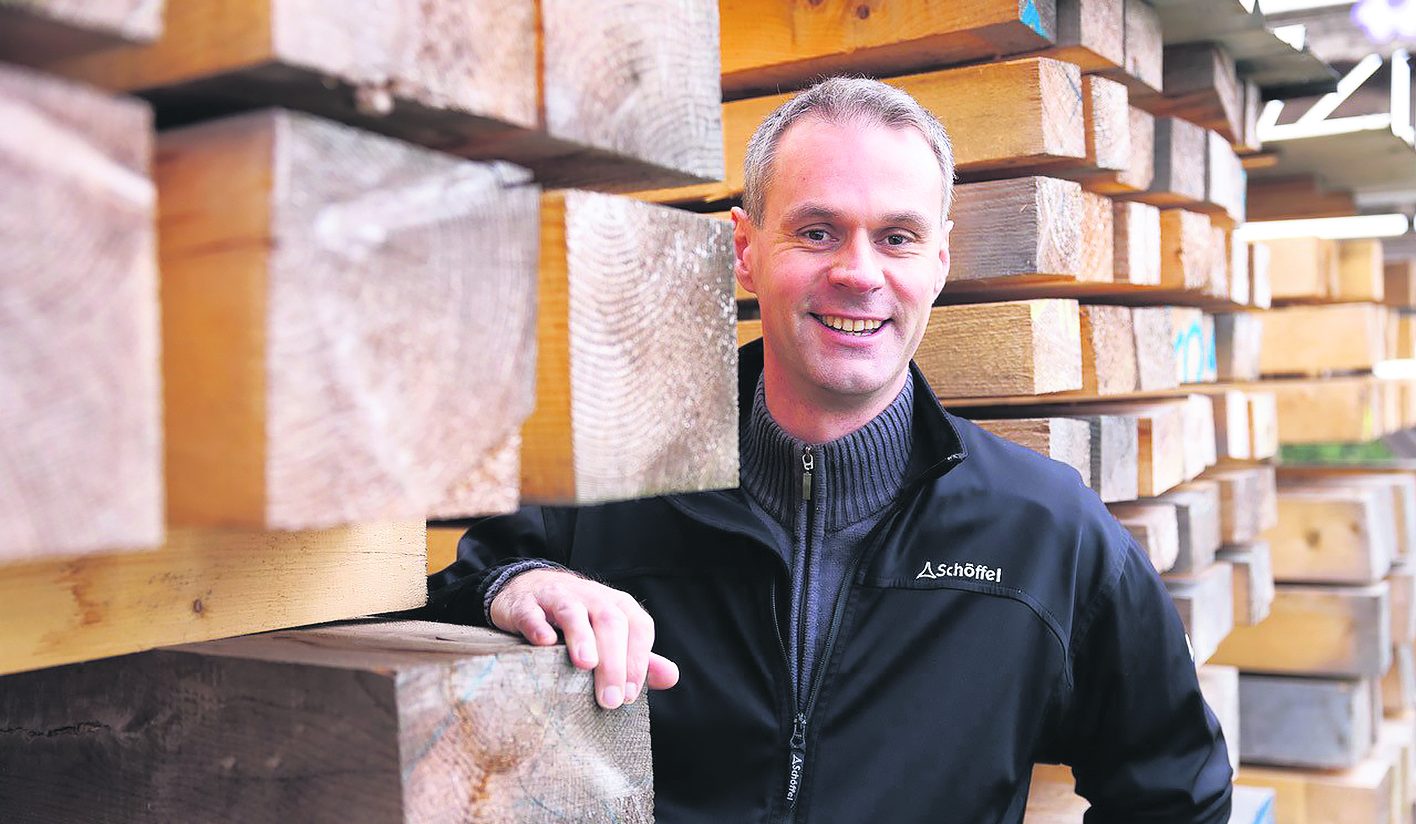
{"type": "Point", "coordinates": [977, 572]}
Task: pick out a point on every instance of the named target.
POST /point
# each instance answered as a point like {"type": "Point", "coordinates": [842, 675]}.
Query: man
{"type": "Point", "coordinates": [897, 614]}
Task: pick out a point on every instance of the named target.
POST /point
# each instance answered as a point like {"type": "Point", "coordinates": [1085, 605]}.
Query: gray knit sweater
{"type": "Point", "coordinates": [853, 481]}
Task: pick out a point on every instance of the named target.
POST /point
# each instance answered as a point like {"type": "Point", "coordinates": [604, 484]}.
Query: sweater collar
{"type": "Point", "coordinates": [853, 477]}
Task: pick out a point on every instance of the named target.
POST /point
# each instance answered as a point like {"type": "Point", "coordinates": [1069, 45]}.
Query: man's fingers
{"type": "Point", "coordinates": [574, 621]}
{"type": "Point", "coordinates": [663, 673]}
{"type": "Point", "coordinates": [612, 636]}
{"type": "Point", "coordinates": [641, 640]}
{"type": "Point", "coordinates": [532, 624]}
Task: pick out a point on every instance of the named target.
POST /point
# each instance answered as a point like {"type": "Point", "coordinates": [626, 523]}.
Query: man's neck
{"type": "Point", "coordinates": [808, 414]}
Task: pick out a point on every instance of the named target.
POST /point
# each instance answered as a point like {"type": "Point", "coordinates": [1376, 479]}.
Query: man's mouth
{"type": "Point", "coordinates": [859, 327]}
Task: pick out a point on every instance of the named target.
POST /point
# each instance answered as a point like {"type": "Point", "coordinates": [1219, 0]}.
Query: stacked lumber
{"type": "Point", "coordinates": [1326, 682]}
{"type": "Point", "coordinates": [304, 291]}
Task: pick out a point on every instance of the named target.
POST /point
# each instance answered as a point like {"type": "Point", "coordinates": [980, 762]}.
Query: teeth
{"type": "Point", "coordinates": [856, 326]}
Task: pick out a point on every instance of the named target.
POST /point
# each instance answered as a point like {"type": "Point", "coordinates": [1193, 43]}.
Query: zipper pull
{"type": "Point", "coordinates": [808, 462]}
{"type": "Point", "coordinates": [796, 759]}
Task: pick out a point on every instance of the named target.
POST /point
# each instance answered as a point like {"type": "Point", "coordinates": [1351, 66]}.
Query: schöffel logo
{"type": "Point", "coordinates": [978, 572]}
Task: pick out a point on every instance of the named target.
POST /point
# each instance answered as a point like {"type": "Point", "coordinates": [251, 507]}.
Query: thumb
{"type": "Point", "coordinates": [663, 673]}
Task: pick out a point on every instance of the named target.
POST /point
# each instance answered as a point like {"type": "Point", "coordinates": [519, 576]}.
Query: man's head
{"type": "Point", "coordinates": [844, 227]}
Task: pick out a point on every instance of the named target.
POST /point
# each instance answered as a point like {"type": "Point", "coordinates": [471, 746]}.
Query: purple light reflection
{"type": "Point", "coordinates": [1385, 20]}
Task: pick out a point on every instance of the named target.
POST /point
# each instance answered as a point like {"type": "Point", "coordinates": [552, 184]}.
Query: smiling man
{"type": "Point", "coordinates": [897, 614]}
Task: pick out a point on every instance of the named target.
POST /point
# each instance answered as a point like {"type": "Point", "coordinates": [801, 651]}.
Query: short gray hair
{"type": "Point", "coordinates": [840, 100]}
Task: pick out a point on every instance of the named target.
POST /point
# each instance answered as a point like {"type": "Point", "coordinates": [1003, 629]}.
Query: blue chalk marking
{"type": "Point", "coordinates": [1032, 19]}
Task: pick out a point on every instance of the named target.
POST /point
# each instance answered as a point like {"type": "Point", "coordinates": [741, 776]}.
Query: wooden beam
{"type": "Point", "coordinates": [1225, 181]}
{"type": "Point", "coordinates": [1238, 342]}
{"type": "Point", "coordinates": [663, 418]}
{"type": "Point", "coordinates": [1399, 288]}
{"type": "Point", "coordinates": [1313, 340]}
{"type": "Point", "coordinates": [784, 45]}
{"type": "Point", "coordinates": [1318, 723]}
{"type": "Point", "coordinates": [79, 377]}
{"type": "Point", "coordinates": [1197, 518]}
{"type": "Point", "coordinates": [442, 546]}
{"type": "Point", "coordinates": [1328, 410]}
{"type": "Point", "coordinates": [1248, 141]}
{"type": "Point", "coordinates": [1180, 156]}
{"type": "Point", "coordinates": [1220, 688]}
{"type": "Point", "coordinates": [1263, 425]}
{"type": "Point", "coordinates": [202, 584]}
{"type": "Point", "coordinates": [1138, 171]}
{"type": "Point", "coordinates": [1302, 268]}
{"type": "Point", "coordinates": [1201, 85]}
{"type": "Point", "coordinates": [379, 721]}
{"type": "Point", "coordinates": [1295, 196]}
{"type": "Point", "coordinates": [1336, 631]}
{"type": "Point", "coordinates": [1399, 683]}
{"type": "Point", "coordinates": [1156, 357]}
{"type": "Point", "coordinates": [1186, 247]}
{"type": "Point", "coordinates": [1108, 350]}
{"type": "Point", "coordinates": [1399, 484]}
{"type": "Point", "coordinates": [1098, 239]}
{"type": "Point", "coordinates": [1361, 794]}
{"type": "Point", "coordinates": [1003, 118]}
{"type": "Point", "coordinates": [36, 31]}
{"type": "Point", "coordinates": [1136, 243]}
{"type": "Point", "coordinates": [1248, 502]}
{"type": "Point", "coordinates": [556, 87]}
{"type": "Point", "coordinates": [986, 349]}
{"type": "Point", "coordinates": [1142, 43]}
{"type": "Point", "coordinates": [1154, 526]}
{"type": "Point", "coordinates": [1232, 436]}
{"type": "Point", "coordinates": [1360, 271]}
{"type": "Point", "coordinates": [1205, 601]}
{"type": "Point", "coordinates": [1402, 581]}
{"type": "Point", "coordinates": [1253, 581]}
{"type": "Point", "coordinates": [1200, 440]}
{"type": "Point", "coordinates": [1115, 469]}
{"type": "Point", "coordinates": [1019, 230]}
{"type": "Point", "coordinates": [289, 378]}
{"type": "Point", "coordinates": [1260, 282]}
{"type": "Point", "coordinates": [1330, 533]}
{"type": "Point", "coordinates": [1193, 334]}
{"type": "Point", "coordinates": [1091, 33]}
{"type": "Point", "coordinates": [1110, 156]}
{"type": "Point", "coordinates": [1067, 440]}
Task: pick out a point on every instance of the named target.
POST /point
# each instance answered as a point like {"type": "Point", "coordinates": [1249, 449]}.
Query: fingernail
{"type": "Point", "coordinates": [610, 698]}
{"type": "Point", "coordinates": [587, 657]}
{"type": "Point", "coordinates": [631, 692]}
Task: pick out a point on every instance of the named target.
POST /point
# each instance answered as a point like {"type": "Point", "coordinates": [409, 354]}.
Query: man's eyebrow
{"type": "Point", "coordinates": [910, 221]}
{"type": "Point", "coordinates": [810, 211]}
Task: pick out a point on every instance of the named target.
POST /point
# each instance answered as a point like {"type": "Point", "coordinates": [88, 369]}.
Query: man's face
{"type": "Point", "coordinates": [850, 255]}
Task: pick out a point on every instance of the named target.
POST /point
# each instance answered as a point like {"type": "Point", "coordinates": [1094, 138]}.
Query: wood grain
{"type": "Point", "coordinates": [1225, 181]}
{"type": "Point", "coordinates": [1253, 581]}
{"type": "Point", "coordinates": [1328, 631]}
{"type": "Point", "coordinates": [304, 385]}
{"type": "Point", "coordinates": [1362, 794]}
{"type": "Point", "coordinates": [1180, 152]}
{"type": "Point", "coordinates": [1360, 271]}
{"type": "Point", "coordinates": [1154, 526]}
{"type": "Point", "coordinates": [1197, 520]}
{"type": "Point", "coordinates": [1328, 410]}
{"type": "Point", "coordinates": [1144, 49]}
{"type": "Point", "coordinates": [380, 722]}
{"type": "Point", "coordinates": [1332, 534]}
{"type": "Point", "coordinates": [1091, 33]}
{"type": "Point", "coordinates": [1193, 336]}
{"type": "Point", "coordinates": [1302, 268]}
{"type": "Point", "coordinates": [35, 31]}
{"type": "Point", "coordinates": [1238, 342]}
{"type": "Point", "coordinates": [1016, 230]}
{"type": "Point", "coordinates": [637, 371]}
{"type": "Point", "coordinates": [1313, 340]}
{"type": "Point", "coordinates": [1098, 239]}
{"type": "Point", "coordinates": [1108, 350]}
{"type": "Point", "coordinates": [79, 365]}
{"type": "Point", "coordinates": [1399, 286]}
{"type": "Point", "coordinates": [1186, 248]}
{"type": "Point", "coordinates": [1201, 85]}
{"type": "Point", "coordinates": [1205, 601]}
{"type": "Point", "coordinates": [1136, 245]}
{"type": "Point", "coordinates": [206, 583]}
{"type": "Point", "coordinates": [1319, 723]}
{"type": "Point", "coordinates": [773, 46]}
{"type": "Point", "coordinates": [1248, 502]}
{"type": "Point", "coordinates": [1220, 688]}
{"type": "Point", "coordinates": [1156, 355]}
{"type": "Point", "coordinates": [1067, 440]}
{"type": "Point", "coordinates": [1025, 347]}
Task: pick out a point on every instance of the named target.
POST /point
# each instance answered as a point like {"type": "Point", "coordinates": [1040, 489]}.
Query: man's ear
{"type": "Point", "coordinates": [943, 275]}
{"type": "Point", "coordinates": [742, 243]}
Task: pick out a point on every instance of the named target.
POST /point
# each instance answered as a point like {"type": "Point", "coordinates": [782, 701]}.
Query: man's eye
{"type": "Point", "coordinates": [815, 235]}
{"type": "Point", "coordinates": [897, 239]}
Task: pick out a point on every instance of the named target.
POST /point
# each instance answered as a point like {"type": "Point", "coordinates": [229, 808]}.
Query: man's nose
{"type": "Point", "coordinates": [856, 266]}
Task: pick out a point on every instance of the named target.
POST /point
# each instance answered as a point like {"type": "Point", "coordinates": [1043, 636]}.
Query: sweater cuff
{"type": "Point", "coordinates": [500, 576]}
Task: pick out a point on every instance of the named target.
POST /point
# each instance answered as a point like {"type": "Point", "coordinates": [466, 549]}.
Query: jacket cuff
{"type": "Point", "coordinates": [498, 577]}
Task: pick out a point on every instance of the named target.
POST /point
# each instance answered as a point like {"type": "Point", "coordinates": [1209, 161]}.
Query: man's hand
{"type": "Point", "coordinates": [605, 630]}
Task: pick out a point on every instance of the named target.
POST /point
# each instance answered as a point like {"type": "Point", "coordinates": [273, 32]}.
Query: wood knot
{"type": "Point", "coordinates": [863, 11]}
{"type": "Point", "coordinates": [1313, 537]}
{"type": "Point", "coordinates": [198, 606]}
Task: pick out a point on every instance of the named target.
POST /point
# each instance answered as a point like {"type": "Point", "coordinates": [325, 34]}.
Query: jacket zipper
{"type": "Point", "coordinates": [796, 745]}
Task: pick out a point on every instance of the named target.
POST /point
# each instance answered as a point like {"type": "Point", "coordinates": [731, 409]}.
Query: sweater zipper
{"type": "Point", "coordinates": [796, 745]}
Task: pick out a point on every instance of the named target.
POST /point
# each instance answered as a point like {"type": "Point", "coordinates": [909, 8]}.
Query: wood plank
{"type": "Point", "coordinates": [206, 583]}
{"type": "Point", "coordinates": [1143, 71]}
{"type": "Point", "coordinates": [1248, 501]}
{"type": "Point", "coordinates": [1253, 581]}
{"type": "Point", "coordinates": [1318, 723]}
{"type": "Point", "coordinates": [1156, 354]}
{"type": "Point", "coordinates": [627, 407]}
{"type": "Point", "coordinates": [79, 377]}
{"type": "Point", "coordinates": [1252, 805]}
{"type": "Point", "coordinates": [1220, 687]}
{"type": "Point", "coordinates": [1003, 119]}
{"type": "Point", "coordinates": [1296, 196]}
{"type": "Point", "coordinates": [1062, 439]}
{"type": "Point", "coordinates": [551, 86]}
{"type": "Point", "coordinates": [1312, 630]}
{"type": "Point", "coordinates": [1098, 239]}
{"type": "Point", "coordinates": [36, 31]}
{"type": "Point", "coordinates": [1202, 86]}
{"type": "Point", "coordinates": [1232, 436]}
{"type": "Point", "coordinates": [1197, 518]}
{"type": "Point", "coordinates": [1136, 243]}
{"type": "Point", "coordinates": [1360, 271]}
{"type": "Point", "coordinates": [1016, 230]}
{"type": "Point", "coordinates": [1399, 683]}
{"type": "Point", "coordinates": [1260, 284]}
{"type": "Point", "coordinates": [1154, 526]}
{"type": "Point", "coordinates": [1400, 484]}
{"type": "Point", "coordinates": [1331, 534]}
{"type": "Point", "coordinates": [1186, 247]}
{"type": "Point", "coordinates": [1328, 410]}
{"type": "Point", "coordinates": [1225, 181]}
{"type": "Point", "coordinates": [1302, 268]}
{"type": "Point", "coordinates": [1205, 601]}
{"type": "Point", "coordinates": [1111, 163]}
{"type": "Point", "coordinates": [1115, 469]}
{"type": "Point", "coordinates": [1200, 440]}
{"type": "Point", "coordinates": [1108, 350]}
{"type": "Point", "coordinates": [1402, 581]}
{"type": "Point", "coordinates": [1138, 171]}
{"type": "Point", "coordinates": [1193, 333]}
{"type": "Point", "coordinates": [379, 721]}
{"type": "Point", "coordinates": [1238, 343]}
{"type": "Point", "coordinates": [1248, 141]}
{"type": "Point", "coordinates": [1241, 283]}
{"type": "Point", "coordinates": [292, 385]}
{"type": "Point", "coordinates": [1314, 340]}
{"type": "Point", "coordinates": [1091, 33]}
{"type": "Point", "coordinates": [1405, 323]}
{"type": "Point", "coordinates": [1359, 795]}
{"type": "Point", "coordinates": [1021, 347]}
{"type": "Point", "coordinates": [1399, 287]}
{"type": "Point", "coordinates": [1181, 149]}
{"type": "Point", "coordinates": [442, 546]}
{"type": "Point", "coordinates": [787, 45]}
{"type": "Point", "coordinates": [1263, 425]}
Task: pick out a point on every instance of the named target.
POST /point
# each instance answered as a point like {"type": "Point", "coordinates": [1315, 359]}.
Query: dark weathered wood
{"type": "Point", "coordinates": [561, 86]}
{"type": "Point", "coordinates": [377, 722]}
{"type": "Point", "coordinates": [1304, 722]}
{"type": "Point", "coordinates": [328, 332]}
{"type": "Point", "coordinates": [629, 403]}
{"type": "Point", "coordinates": [37, 31]}
{"type": "Point", "coordinates": [80, 413]}
{"type": "Point", "coordinates": [1201, 85]}
{"type": "Point", "coordinates": [1180, 152]}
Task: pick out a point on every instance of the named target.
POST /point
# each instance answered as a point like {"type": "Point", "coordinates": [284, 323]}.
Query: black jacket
{"type": "Point", "coordinates": [1000, 617]}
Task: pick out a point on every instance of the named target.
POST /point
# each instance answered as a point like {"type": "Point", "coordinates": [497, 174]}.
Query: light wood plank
{"type": "Point", "coordinates": [80, 418]}
{"type": "Point", "coordinates": [1225, 182]}
{"type": "Point", "coordinates": [1263, 424]}
{"type": "Point", "coordinates": [1232, 436]}
{"type": "Point", "coordinates": [1022, 347]}
{"type": "Point", "coordinates": [1314, 340]}
{"type": "Point", "coordinates": [1186, 250]}
{"type": "Point", "coordinates": [1136, 243]}
{"type": "Point", "coordinates": [1220, 687]}
{"type": "Point", "coordinates": [1202, 86]}
{"type": "Point", "coordinates": [1143, 46]}
{"type": "Point", "coordinates": [1328, 631]}
{"type": "Point", "coordinates": [1248, 502]}
{"type": "Point", "coordinates": [304, 386]}
{"type": "Point", "coordinates": [1359, 795]}
{"type": "Point", "coordinates": [1205, 601]}
{"type": "Point", "coordinates": [374, 721]}
{"type": "Point", "coordinates": [1332, 534]}
{"type": "Point", "coordinates": [1197, 517]}
{"type": "Point", "coordinates": [1067, 440]}
{"type": "Point", "coordinates": [1193, 333]}
{"type": "Point", "coordinates": [1399, 288]}
{"type": "Point", "coordinates": [1108, 350]}
{"type": "Point", "coordinates": [1328, 410]}
{"type": "Point", "coordinates": [636, 376]}
{"type": "Point", "coordinates": [1238, 341]}
{"type": "Point", "coordinates": [1302, 268]}
{"type": "Point", "coordinates": [203, 584]}
{"type": "Point", "coordinates": [1156, 354]}
{"type": "Point", "coordinates": [1181, 150]}
{"type": "Point", "coordinates": [1253, 581]}
{"type": "Point", "coordinates": [1360, 271]}
{"type": "Point", "coordinates": [1017, 230]}
{"type": "Point", "coordinates": [1154, 525]}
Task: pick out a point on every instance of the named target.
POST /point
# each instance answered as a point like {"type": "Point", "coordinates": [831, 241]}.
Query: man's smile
{"type": "Point", "coordinates": [859, 327]}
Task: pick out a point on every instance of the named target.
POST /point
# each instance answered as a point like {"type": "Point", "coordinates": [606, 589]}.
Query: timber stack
{"type": "Point", "coordinates": [283, 281]}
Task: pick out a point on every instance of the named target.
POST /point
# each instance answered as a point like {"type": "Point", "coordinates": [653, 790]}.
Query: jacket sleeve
{"type": "Point", "coordinates": [493, 546]}
{"type": "Point", "coordinates": [1144, 746]}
